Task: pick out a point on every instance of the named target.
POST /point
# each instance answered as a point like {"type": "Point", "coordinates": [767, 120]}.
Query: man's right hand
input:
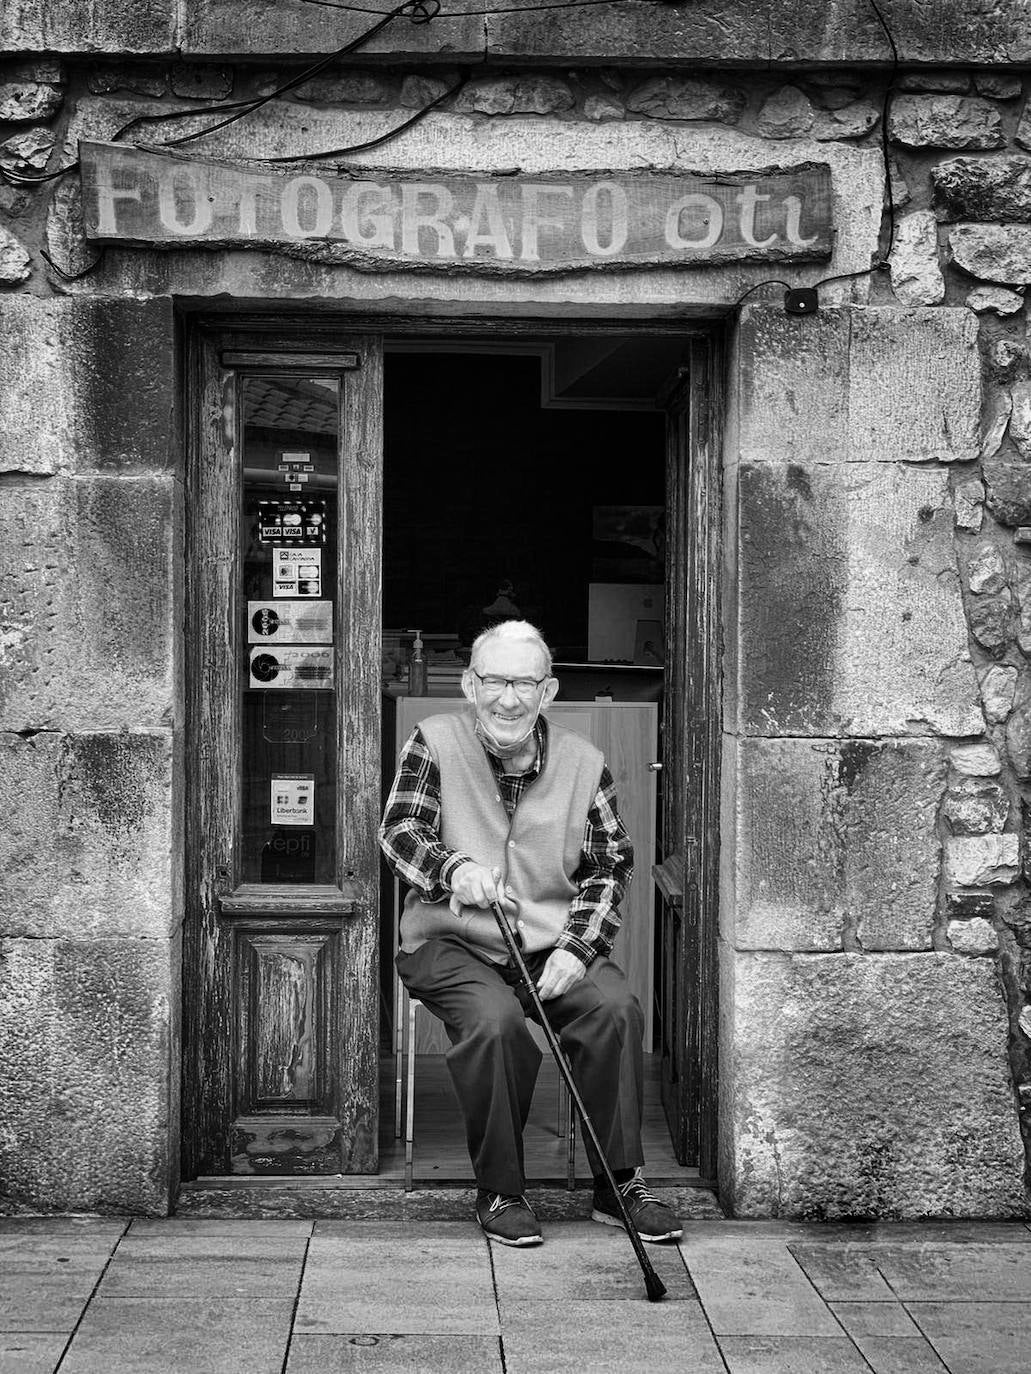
{"type": "Point", "coordinates": [474, 885]}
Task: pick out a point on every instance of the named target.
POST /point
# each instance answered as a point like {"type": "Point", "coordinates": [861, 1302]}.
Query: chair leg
{"type": "Point", "coordinates": [400, 1011]}
{"type": "Point", "coordinates": [570, 1146]}
{"type": "Point", "coordinates": [413, 1007]}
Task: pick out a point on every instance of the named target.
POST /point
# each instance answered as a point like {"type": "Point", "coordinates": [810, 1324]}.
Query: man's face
{"type": "Point", "coordinates": [508, 714]}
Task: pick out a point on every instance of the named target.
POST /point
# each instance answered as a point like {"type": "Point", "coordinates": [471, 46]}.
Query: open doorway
{"type": "Point", "coordinates": [528, 477]}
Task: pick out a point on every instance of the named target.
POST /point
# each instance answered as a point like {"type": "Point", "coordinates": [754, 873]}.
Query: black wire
{"type": "Point", "coordinates": [466, 14]}
{"type": "Point", "coordinates": [883, 260]}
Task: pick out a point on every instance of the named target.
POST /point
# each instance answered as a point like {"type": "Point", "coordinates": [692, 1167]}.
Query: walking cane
{"type": "Point", "coordinates": [654, 1286]}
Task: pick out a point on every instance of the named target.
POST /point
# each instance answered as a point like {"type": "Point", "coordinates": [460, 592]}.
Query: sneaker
{"type": "Point", "coordinates": [653, 1219]}
{"type": "Point", "coordinates": [507, 1219]}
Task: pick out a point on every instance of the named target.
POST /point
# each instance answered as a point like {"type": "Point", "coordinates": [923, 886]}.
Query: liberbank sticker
{"type": "Point", "coordinates": [296, 572]}
{"type": "Point", "coordinates": [291, 667]}
{"type": "Point", "coordinates": [293, 799]}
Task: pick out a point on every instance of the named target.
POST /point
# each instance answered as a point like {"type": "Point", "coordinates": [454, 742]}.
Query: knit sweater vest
{"type": "Point", "coordinates": [538, 851]}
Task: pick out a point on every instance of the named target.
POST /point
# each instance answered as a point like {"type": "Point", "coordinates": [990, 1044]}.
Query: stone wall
{"type": "Point", "coordinates": [876, 922]}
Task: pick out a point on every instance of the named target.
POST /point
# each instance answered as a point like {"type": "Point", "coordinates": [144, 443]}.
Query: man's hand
{"type": "Point", "coordinates": [562, 971]}
{"type": "Point", "coordinates": [474, 885]}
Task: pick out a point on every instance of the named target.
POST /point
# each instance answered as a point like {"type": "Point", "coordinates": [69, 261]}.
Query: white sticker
{"type": "Point", "coordinates": [290, 622]}
{"type": "Point", "coordinates": [296, 572]}
{"type": "Point", "coordinates": [293, 799]}
{"type": "Point", "coordinates": [282, 666]}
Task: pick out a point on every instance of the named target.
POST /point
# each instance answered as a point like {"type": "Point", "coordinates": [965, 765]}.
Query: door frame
{"type": "Point", "coordinates": [696, 499]}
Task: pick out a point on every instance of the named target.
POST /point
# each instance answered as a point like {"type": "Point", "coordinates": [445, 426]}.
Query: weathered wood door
{"type": "Point", "coordinates": [282, 597]}
{"type": "Point", "coordinates": [687, 876]}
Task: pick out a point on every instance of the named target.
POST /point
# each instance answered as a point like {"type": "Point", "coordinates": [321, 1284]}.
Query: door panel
{"type": "Point", "coordinates": [687, 877]}
{"type": "Point", "coordinates": [283, 592]}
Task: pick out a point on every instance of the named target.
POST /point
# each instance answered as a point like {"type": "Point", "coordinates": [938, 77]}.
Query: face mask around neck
{"type": "Point", "coordinates": [505, 751]}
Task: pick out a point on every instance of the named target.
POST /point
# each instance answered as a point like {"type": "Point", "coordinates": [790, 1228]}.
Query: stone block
{"type": "Point", "coordinates": [15, 259]}
{"type": "Point", "coordinates": [968, 903]}
{"type": "Point", "coordinates": [507, 95]}
{"type": "Point", "coordinates": [916, 275]}
{"type": "Point", "coordinates": [858, 385]}
{"type": "Point", "coordinates": [975, 760]}
{"type": "Point", "coordinates": [993, 252]}
{"type": "Point", "coordinates": [851, 617]}
{"type": "Point", "coordinates": [992, 623]}
{"type": "Point", "coordinates": [117, 26]}
{"type": "Point", "coordinates": [976, 806]}
{"type": "Point", "coordinates": [851, 121]}
{"type": "Point", "coordinates": [600, 105]}
{"type": "Point", "coordinates": [787, 113]}
{"type": "Point", "coordinates": [1018, 732]}
{"type": "Point", "coordinates": [1008, 491]}
{"type": "Point", "coordinates": [946, 121]}
{"type": "Point", "coordinates": [346, 88]}
{"type": "Point", "coordinates": [969, 499]}
{"type": "Point", "coordinates": [976, 936]}
{"type": "Point", "coordinates": [417, 91]}
{"type": "Point", "coordinates": [987, 570]}
{"type": "Point", "coordinates": [30, 92]}
{"type": "Point", "coordinates": [685, 98]}
{"type": "Point", "coordinates": [914, 385]}
{"type": "Point", "coordinates": [86, 1074]}
{"type": "Point", "coordinates": [982, 860]}
{"type": "Point", "coordinates": [92, 381]}
{"type": "Point", "coordinates": [996, 298]}
{"type": "Point", "coordinates": [139, 78]}
{"type": "Point", "coordinates": [200, 81]}
{"type": "Point", "coordinates": [940, 82]}
{"type": "Point", "coordinates": [86, 568]}
{"type": "Point", "coordinates": [983, 188]}
{"type": "Point", "coordinates": [87, 847]}
{"type": "Point", "coordinates": [28, 151]}
{"type": "Point", "coordinates": [998, 85]}
{"type": "Point", "coordinates": [836, 843]}
{"type": "Point", "coordinates": [859, 1085]}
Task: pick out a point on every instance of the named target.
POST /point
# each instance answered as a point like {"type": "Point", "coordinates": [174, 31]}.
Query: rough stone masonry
{"type": "Point", "coordinates": [875, 952]}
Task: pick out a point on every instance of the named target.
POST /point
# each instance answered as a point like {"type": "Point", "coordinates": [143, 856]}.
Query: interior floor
{"type": "Point", "coordinates": [440, 1158]}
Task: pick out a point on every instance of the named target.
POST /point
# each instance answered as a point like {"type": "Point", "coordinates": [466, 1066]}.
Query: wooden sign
{"type": "Point", "coordinates": [443, 221]}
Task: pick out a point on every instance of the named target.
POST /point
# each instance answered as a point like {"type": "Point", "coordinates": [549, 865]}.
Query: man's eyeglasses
{"type": "Point", "coordinates": [494, 686]}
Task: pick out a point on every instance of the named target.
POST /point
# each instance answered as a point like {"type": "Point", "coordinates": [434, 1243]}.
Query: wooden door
{"type": "Point", "coordinates": [687, 876]}
{"type": "Point", "coordinates": [282, 588]}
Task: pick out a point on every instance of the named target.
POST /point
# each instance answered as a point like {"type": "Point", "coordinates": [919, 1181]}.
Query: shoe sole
{"type": "Point", "coordinates": [504, 1240]}
{"type": "Point", "coordinates": [606, 1220]}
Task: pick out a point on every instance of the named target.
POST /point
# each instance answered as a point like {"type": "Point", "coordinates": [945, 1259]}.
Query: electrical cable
{"type": "Point", "coordinates": [882, 262]}
{"type": "Point", "coordinates": [493, 9]}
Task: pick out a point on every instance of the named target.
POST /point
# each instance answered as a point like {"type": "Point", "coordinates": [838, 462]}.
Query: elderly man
{"type": "Point", "coordinates": [495, 804]}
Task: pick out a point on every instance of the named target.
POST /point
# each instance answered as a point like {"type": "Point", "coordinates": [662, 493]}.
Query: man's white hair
{"type": "Point", "coordinates": [509, 631]}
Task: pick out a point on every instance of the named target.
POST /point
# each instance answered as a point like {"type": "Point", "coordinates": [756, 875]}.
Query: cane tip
{"type": "Point", "coordinates": [654, 1287]}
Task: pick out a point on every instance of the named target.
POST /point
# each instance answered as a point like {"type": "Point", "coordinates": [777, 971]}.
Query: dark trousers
{"type": "Point", "coordinates": [494, 1059]}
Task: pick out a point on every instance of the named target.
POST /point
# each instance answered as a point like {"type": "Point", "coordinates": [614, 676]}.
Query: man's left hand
{"type": "Point", "coordinates": [562, 971]}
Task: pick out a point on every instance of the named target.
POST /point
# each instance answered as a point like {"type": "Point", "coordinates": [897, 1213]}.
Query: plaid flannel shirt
{"type": "Point", "coordinates": [410, 838]}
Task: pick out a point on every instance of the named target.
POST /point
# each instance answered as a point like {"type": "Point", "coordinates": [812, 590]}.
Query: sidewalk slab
{"type": "Point", "coordinates": [843, 1270]}
{"type": "Point", "coordinates": [583, 1261]}
{"type": "Point", "coordinates": [889, 1319]}
{"type": "Point", "coordinates": [30, 1352]}
{"type": "Point", "coordinates": [755, 1291]}
{"type": "Point", "coordinates": [265, 1231]}
{"type": "Point", "coordinates": [162, 1336]}
{"type": "Point", "coordinates": [44, 1300]}
{"type": "Point", "coordinates": [553, 1337]}
{"type": "Point", "coordinates": [792, 1355]}
{"type": "Point", "coordinates": [396, 1355]}
{"type": "Point", "coordinates": [397, 1278]}
{"type": "Point", "coordinates": [180, 1276]}
{"type": "Point", "coordinates": [978, 1337]}
{"type": "Point", "coordinates": [888, 1355]}
{"type": "Point", "coordinates": [956, 1273]}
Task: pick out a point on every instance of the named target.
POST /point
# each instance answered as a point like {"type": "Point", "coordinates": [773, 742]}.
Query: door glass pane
{"type": "Point", "coordinates": [288, 611]}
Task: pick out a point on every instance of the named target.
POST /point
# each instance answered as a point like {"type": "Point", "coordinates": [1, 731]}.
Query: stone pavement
{"type": "Point", "coordinates": [196, 1296]}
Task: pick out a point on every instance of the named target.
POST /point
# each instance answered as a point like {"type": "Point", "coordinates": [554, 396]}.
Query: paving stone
{"type": "Point", "coordinates": [412, 1354]}
{"type": "Point", "coordinates": [843, 1272]}
{"type": "Point", "coordinates": [964, 1273]}
{"type": "Point", "coordinates": [85, 1228]}
{"type": "Point", "coordinates": [978, 1337]}
{"type": "Point", "coordinates": [755, 1293]}
{"type": "Point", "coordinates": [177, 1245]}
{"type": "Point", "coordinates": [259, 1231]}
{"type": "Point", "coordinates": [791, 1355]}
{"type": "Point", "coordinates": [398, 1277]}
{"type": "Point", "coordinates": [552, 1337]}
{"type": "Point", "coordinates": [585, 1261]}
{"type": "Point", "coordinates": [27, 1352]}
{"type": "Point", "coordinates": [170, 1336]}
{"type": "Point", "coordinates": [34, 1300]}
{"type": "Point", "coordinates": [886, 1318]}
{"type": "Point", "coordinates": [167, 1274]}
{"type": "Point", "coordinates": [893, 1355]}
